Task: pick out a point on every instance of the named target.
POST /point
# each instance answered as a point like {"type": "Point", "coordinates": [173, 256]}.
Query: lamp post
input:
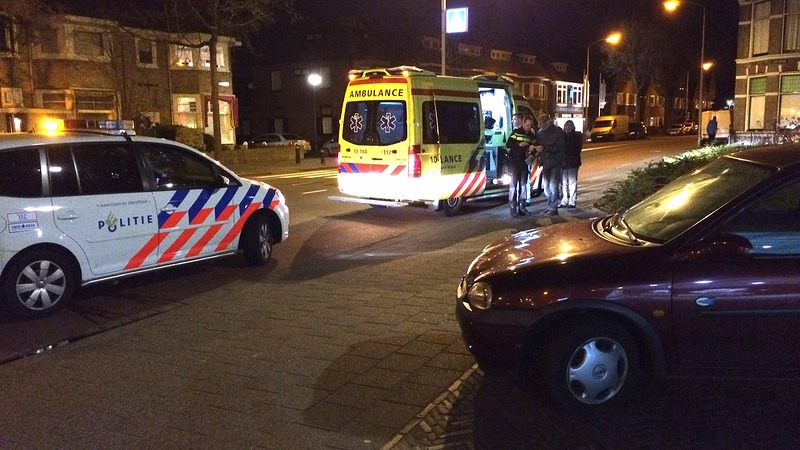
{"type": "Point", "coordinates": [314, 80]}
{"type": "Point", "coordinates": [672, 5]}
{"type": "Point", "coordinates": [611, 39]}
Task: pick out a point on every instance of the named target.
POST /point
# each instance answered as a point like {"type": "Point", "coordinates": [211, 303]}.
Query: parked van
{"type": "Point", "coordinates": [609, 128]}
{"type": "Point", "coordinates": [408, 136]}
{"type": "Point", "coordinates": [724, 119]}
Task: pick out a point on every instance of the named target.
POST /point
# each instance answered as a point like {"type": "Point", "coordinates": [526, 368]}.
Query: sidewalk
{"type": "Point", "coordinates": [274, 168]}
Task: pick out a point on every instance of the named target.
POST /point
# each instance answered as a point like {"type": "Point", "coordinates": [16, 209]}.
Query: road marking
{"type": "Point", "coordinates": [314, 192]}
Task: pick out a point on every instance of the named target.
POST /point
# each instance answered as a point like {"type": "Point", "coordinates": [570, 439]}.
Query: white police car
{"type": "Point", "coordinates": [82, 207]}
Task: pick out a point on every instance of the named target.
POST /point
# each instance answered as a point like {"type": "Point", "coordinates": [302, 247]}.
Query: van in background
{"type": "Point", "coordinates": [609, 128]}
{"type": "Point", "coordinates": [724, 120]}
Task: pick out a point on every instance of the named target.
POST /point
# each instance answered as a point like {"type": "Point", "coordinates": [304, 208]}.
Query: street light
{"type": "Point", "coordinates": [612, 39]}
{"type": "Point", "coordinates": [672, 5]}
{"type": "Point", "coordinates": [314, 80]}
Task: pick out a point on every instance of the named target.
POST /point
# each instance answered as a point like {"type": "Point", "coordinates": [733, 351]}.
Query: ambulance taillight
{"type": "Point", "coordinates": [414, 162]}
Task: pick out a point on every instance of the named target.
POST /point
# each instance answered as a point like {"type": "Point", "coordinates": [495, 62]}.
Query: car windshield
{"type": "Point", "coordinates": [602, 123]}
{"type": "Point", "coordinates": [683, 202]}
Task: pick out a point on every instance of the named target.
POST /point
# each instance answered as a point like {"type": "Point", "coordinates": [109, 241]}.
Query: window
{"type": "Point", "coordinates": [20, 173]}
{"type": "Point", "coordinates": [175, 168]}
{"type": "Point", "coordinates": [48, 40]}
{"type": "Point", "coordinates": [660, 101]}
{"type": "Point", "coordinates": [527, 59]}
{"type": "Point", "coordinates": [561, 94]}
{"type": "Point", "coordinates": [761, 28]}
{"type": "Point", "coordinates": [789, 118]}
{"type": "Point", "coordinates": [431, 43]}
{"type": "Point", "coordinates": [182, 56]}
{"type": "Point", "coordinates": [652, 99]}
{"type": "Point", "coordinates": [145, 53]}
{"type": "Point", "coordinates": [375, 122]}
{"type": "Point", "coordinates": [102, 169]}
{"type": "Point", "coordinates": [451, 122]}
{"type": "Point", "coordinates": [205, 56]}
{"type": "Point", "coordinates": [186, 111]}
{"type": "Point", "coordinates": [275, 77]}
{"type": "Point", "coordinates": [771, 224]}
{"type": "Point", "coordinates": [54, 100]}
{"type": "Point", "coordinates": [501, 55]}
{"type": "Point", "coordinates": [88, 43]}
{"type": "Point", "coordinates": [756, 103]}
{"type": "Point", "coordinates": [791, 26]}
{"type": "Point", "coordinates": [7, 43]}
{"type": "Point", "coordinates": [94, 101]}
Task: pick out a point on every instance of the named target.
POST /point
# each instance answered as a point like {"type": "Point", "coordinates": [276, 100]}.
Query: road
{"type": "Point", "coordinates": [399, 268]}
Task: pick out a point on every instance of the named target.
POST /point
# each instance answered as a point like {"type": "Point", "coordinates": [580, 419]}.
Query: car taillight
{"type": "Point", "coordinates": [414, 162]}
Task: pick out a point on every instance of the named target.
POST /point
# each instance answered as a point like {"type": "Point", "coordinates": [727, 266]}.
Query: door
{"type": "Point", "coordinates": [100, 202]}
{"type": "Point", "coordinates": [737, 311]}
{"type": "Point", "coordinates": [195, 204]}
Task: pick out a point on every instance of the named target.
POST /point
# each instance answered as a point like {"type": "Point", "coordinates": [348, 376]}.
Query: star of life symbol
{"type": "Point", "coordinates": [431, 122]}
{"type": "Point", "coordinates": [356, 122]}
{"type": "Point", "coordinates": [388, 122]}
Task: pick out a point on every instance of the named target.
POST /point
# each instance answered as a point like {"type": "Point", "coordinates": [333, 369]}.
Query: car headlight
{"type": "Point", "coordinates": [479, 296]}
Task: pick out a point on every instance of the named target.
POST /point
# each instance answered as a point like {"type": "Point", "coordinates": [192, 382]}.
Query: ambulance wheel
{"type": "Point", "coordinates": [451, 206]}
{"type": "Point", "coordinates": [38, 282]}
{"type": "Point", "coordinates": [257, 241]}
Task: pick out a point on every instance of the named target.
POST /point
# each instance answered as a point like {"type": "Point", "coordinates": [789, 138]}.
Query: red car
{"type": "Point", "coordinates": [700, 279]}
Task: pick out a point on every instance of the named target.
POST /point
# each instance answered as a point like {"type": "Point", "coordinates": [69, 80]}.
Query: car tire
{"type": "Point", "coordinates": [592, 365]}
{"type": "Point", "coordinates": [257, 241]}
{"type": "Point", "coordinates": [451, 206]}
{"type": "Point", "coordinates": [37, 283]}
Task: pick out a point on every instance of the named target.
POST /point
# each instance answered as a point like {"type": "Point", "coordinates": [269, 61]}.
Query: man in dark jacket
{"type": "Point", "coordinates": [519, 145]}
{"type": "Point", "coordinates": [552, 154]}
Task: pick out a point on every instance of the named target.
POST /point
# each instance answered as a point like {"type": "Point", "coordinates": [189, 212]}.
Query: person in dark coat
{"type": "Point", "coordinates": [550, 149]}
{"type": "Point", "coordinates": [573, 143]}
{"type": "Point", "coordinates": [519, 146]}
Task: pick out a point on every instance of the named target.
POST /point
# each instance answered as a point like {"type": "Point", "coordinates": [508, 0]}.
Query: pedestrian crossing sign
{"type": "Point", "coordinates": [456, 20]}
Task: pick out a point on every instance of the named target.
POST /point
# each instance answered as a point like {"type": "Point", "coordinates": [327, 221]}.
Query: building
{"type": "Point", "coordinates": [768, 68]}
{"type": "Point", "coordinates": [76, 67]}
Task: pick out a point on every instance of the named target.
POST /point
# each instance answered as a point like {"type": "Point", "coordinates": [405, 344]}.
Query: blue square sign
{"type": "Point", "coordinates": [456, 20]}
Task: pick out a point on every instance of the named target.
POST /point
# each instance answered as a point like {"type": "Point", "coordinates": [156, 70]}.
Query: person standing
{"type": "Point", "coordinates": [519, 146]}
{"type": "Point", "coordinates": [551, 152]}
{"type": "Point", "coordinates": [573, 143]}
{"type": "Point", "coordinates": [711, 129]}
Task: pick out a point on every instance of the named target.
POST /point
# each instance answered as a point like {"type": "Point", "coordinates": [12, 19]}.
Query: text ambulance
{"type": "Point", "coordinates": [81, 207]}
{"type": "Point", "coordinates": [409, 136]}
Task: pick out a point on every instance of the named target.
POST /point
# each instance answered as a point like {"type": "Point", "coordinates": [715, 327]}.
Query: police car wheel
{"type": "Point", "coordinates": [257, 241]}
{"type": "Point", "coordinates": [37, 283]}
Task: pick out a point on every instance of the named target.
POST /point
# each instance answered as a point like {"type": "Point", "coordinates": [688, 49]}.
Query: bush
{"type": "Point", "coordinates": [189, 136]}
{"type": "Point", "coordinates": [640, 183]}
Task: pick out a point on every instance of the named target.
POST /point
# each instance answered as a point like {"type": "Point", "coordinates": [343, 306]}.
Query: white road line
{"type": "Point", "coordinates": [314, 192]}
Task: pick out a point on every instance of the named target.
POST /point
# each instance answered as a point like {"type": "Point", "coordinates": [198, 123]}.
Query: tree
{"type": "Point", "coordinates": [637, 57]}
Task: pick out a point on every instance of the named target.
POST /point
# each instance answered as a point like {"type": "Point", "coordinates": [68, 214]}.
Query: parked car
{"type": "Point", "coordinates": [699, 279]}
{"type": "Point", "coordinates": [331, 147]}
{"type": "Point", "coordinates": [278, 139]}
{"type": "Point", "coordinates": [83, 206]}
{"type": "Point", "coordinates": [689, 127]}
{"type": "Point", "coordinates": [637, 130]}
{"type": "Point", "coordinates": [676, 129]}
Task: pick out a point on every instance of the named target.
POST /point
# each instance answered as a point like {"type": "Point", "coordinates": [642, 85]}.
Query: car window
{"type": "Point", "coordinates": [101, 169]}
{"type": "Point", "coordinates": [20, 173]}
{"type": "Point", "coordinates": [177, 168]}
{"type": "Point", "coordinates": [291, 137]}
{"type": "Point", "coordinates": [375, 122]}
{"type": "Point", "coordinates": [771, 224]}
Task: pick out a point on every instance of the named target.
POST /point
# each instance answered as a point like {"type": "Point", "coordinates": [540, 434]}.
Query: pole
{"type": "Point", "coordinates": [686, 94]}
{"type": "Point", "coordinates": [586, 96]}
{"type": "Point", "coordinates": [444, 32]}
{"type": "Point", "coordinates": [702, 60]}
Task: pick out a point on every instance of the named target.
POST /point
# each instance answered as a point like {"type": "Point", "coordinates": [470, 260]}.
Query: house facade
{"type": "Point", "coordinates": [768, 67]}
{"type": "Point", "coordinates": [75, 67]}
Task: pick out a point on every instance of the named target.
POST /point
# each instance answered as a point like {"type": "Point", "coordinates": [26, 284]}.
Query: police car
{"type": "Point", "coordinates": [79, 207]}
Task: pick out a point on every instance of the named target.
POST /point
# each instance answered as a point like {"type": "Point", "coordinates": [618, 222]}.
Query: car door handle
{"type": "Point", "coordinates": [705, 301]}
{"type": "Point", "coordinates": [67, 215]}
{"type": "Point", "coordinates": [169, 209]}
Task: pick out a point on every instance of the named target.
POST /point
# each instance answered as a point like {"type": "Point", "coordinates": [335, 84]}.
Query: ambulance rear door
{"type": "Point", "coordinates": [373, 160]}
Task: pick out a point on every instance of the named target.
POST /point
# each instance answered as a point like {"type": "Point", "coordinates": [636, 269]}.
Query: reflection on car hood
{"type": "Point", "coordinates": [551, 245]}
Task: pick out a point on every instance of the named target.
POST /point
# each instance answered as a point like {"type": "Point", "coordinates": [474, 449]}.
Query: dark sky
{"type": "Point", "coordinates": [560, 30]}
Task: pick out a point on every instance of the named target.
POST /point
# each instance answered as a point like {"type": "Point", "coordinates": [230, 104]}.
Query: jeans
{"type": "Point", "coordinates": [518, 189]}
{"type": "Point", "coordinates": [569, 186]}
{"type": "Point", "coordinates": [551, 181]}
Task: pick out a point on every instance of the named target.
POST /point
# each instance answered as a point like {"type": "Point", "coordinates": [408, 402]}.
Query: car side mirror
{"type": "Point", "coordinates": [730, 245]}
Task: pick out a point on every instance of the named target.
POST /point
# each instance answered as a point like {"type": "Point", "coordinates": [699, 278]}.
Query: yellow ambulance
{"type": "Point", "coordinates": [410, 136]}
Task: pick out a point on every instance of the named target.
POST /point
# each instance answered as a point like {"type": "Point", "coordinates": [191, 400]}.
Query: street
{"type": "Point", "coordinates": [345, 340]}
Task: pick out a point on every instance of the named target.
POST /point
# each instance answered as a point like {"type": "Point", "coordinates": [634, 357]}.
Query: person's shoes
{"type": "Point", "coordinates": [514, 211]}
{"type": "Point", "coordinates": [550, 212]}
{"type": "Point", "coordinates": [562, 205]}
{"type": "Point", "coordinates": [570, 206]}
{"type": "Point", "coordinates": [523, 211]}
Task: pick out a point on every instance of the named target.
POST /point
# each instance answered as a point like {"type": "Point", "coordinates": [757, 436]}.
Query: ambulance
{"type": "Point", "coordinates": [84, 203]}
{"type": "Point", "coordinates": [410, 136]}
